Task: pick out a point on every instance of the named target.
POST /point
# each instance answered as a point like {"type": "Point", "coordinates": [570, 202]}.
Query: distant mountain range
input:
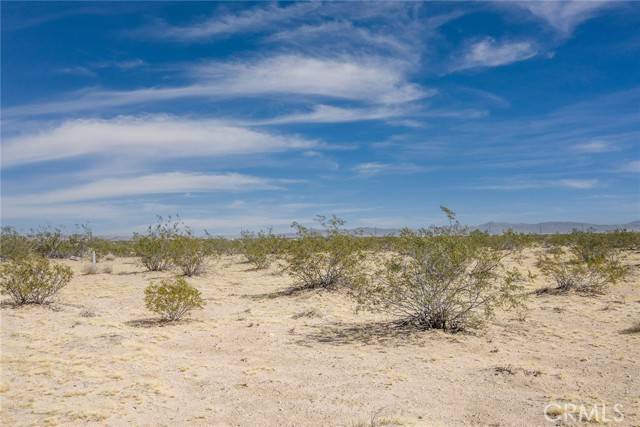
{"type": "Point", "coordinates": [553, 227]}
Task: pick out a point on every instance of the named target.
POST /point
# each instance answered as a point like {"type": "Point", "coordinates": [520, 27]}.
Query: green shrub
{"type": "Point", "coordinates": [78, 244]}
{"type": "Point", "coordinates": [33, 280]}
{"type": "Point", "coordinates": [47, 242]}
{"type": "Point", "coordinates": [590, 247]}
{"type": "Point", "coordinates": [324, 260]}
{"type": "Point", "coordinates": [154, 248]}
{"type": "Point", "coordinates": [442, 278]}
{"type": "Point", "coordinates": [259, 249]}
{"type": "Point", "coordinates": [570, 271]}
{"type": "Point", "coordinates": [14, 246]}
{"type": "Point", "coordinates": [172, 299]}
{"type": "Point", "coordinates": [188, 253]}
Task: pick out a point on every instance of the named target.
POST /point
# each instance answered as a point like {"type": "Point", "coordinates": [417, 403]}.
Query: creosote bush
{"type": "Point", "coordinates": [571, 270]}
{"type": "Point", "coordinates": [259, 248]}
{"type": "Point", "coordinates": [154, 247]}
{"type": "Point", "coordinates": [172, 298]}
{"type": "Point", "coordinates": [188, 253]}
{"type": "Point", "coordinates": [14, 246]}
{"type": "Point", "coordinates": [33, 280]}
{"type": "Point", "coordinates": [322, 260]}
{"type": "Point", "coordinates": [442, 278]}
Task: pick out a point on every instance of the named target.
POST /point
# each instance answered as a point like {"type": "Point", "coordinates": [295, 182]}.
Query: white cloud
{"type": "Point", "coordinates": [578, 184]}
{"type": "Point", "coordinates": [573, 184]}
{"type": "Point", "coordinates": [563, 16]}
{"type": "Point", "coordinates": [330, 114]}
{"type": "Point", "coordinates": [345, 35]}
{"type": "Point", "coordinates": [159, 183]}
{"type": "Point", "coordinates": [366, 79]}
{"type": "Point", "coordinates": [376, 168]}
{"type": "Point", "coordinates": [267, 18]}
{"type": "Point", "coordinates": [631, 167]}
{"type": "Point", "coordinates": [491, 53]}
{"type": "Point", "coordinates": [146, 137]}
{"type": "Point", "coordinates": [369, 79]}
{"type": "Point", "coordinates": [594, 147]}
{"type": "Point", "coordinates": [254, 19]}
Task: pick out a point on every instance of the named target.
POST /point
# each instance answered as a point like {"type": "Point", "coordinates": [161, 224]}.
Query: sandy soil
{"type": "Point", "coordinates": [256, 355]}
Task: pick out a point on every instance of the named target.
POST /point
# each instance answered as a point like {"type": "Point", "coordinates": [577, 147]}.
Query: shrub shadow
{"type": "Point", "coordinates": [154, 322]}
{"type": "Point", "coordinates": [395, 332]}
{"type": "Point", "coordinates": [8, 304]}
{"type": "Point", "coordinates": [287, 292]}
{"type": "Point", "coordinates": [549, 291]}
{"type": "Point", "coordinates": [632, 330]}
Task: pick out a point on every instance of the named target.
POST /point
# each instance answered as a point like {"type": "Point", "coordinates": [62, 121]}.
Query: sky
{"type": "Point", "coordinates": [239, 116]}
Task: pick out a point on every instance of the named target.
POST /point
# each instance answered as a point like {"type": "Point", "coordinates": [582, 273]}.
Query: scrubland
{"type": "Point", "coordinates": [261, 347]}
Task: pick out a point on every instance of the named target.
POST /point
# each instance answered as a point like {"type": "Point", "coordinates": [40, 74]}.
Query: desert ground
{"type": "Point", "coordinates": [258, 354]}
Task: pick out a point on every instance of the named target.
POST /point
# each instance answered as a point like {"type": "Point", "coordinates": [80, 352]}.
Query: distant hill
{"type": "Point", "coordinates": [554, 227]}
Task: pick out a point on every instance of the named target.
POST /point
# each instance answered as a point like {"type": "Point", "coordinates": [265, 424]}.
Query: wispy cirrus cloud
{"type": "Point", "coordinates": [596, 146]}
{"type": "Point", "coordinates": [376, 168]}
{"type": "Point", "coordinates": [363, 79]}
{"type": "Point", "coordinates": [366, 78]}
{"type": "Point", "coordinates": [489, 52]}
{"type": "Point", "coordinates": [251, 20]}
{"type": "Point", "coordinates": [262, 18]}
{"type": "Point", "coordinates": [330, 114]}
{"type": "Point", "coordinates": [514, 185]}
{"type": "Point", "coordinates": [149, 137]}
{"type": "Point", "coordinates": [158, 183]}
{"type": "Point", "coordinates": [563, 16]}
{"type": "Point", "coordinates": [630, 167]}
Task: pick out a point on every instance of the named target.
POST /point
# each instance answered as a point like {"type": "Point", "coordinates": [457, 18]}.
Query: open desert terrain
{"type": "Point", "coordinates": [258, 354]}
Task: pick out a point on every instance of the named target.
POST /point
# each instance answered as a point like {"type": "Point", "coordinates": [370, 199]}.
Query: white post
{"type": "Point", "coordinates": [93, 257]}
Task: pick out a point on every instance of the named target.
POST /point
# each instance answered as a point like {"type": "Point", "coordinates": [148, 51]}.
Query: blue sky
{"type": "Point", "coordinates": [250, 115]}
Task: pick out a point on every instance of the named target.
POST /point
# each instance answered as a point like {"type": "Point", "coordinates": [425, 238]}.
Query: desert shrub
{"type": "Point", "coordinates": [590, 247]}
{"type": "Point", "coordinates": [14, 246]}
{"type": "Point", "coordinates": [108, 248]}
{"type": "Point", "coordinates": [570, 271]}
{"type": "Point", "coordinates": [221, 245]}
{"type": "Point", "coordinates": [154, 248]}
{"type": "Point", "coordinates": [188, 253]}
{"type": "Point", "coordinates": [442, 278]}
{"type": "Point", "coordinates": [509, 240]}
{"type": "Point", "coordinates": [623, 239]}
{"type": "Point", "coordinates": [80, 243]}
{"type": "Point", "coordinates": [107, 269]}
{"type": "Point", "coordinates": [259, 248]}
{"type": "Point", "coordinates": [47, 242]}
{"type": "Point", "coordinates": [172, 299]}
{"type": "Point", "coordinates": [324, 259]}
{"type": "Point", "coordinates": [33, 280]}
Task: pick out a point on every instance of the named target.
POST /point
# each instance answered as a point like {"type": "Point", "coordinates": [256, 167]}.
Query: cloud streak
{"type": "Point", "coordinates": [491, 53]}
{"type": "Point", "coordinates": [363, 79]}
{"type": "Point", "coordinates": [159, 183]}
{"type": "Point", "coordinates": [569, 184]}
{"type": "Point", "coordinates": [376, 168]}
{"type": "Point", "coordinates": [149, 137]}
{"type": "Point", "coordinates": [563, 16]}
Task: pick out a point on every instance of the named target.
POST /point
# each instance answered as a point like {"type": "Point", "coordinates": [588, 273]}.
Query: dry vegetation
{"type": "Point", "coordinates": [279, 341]}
